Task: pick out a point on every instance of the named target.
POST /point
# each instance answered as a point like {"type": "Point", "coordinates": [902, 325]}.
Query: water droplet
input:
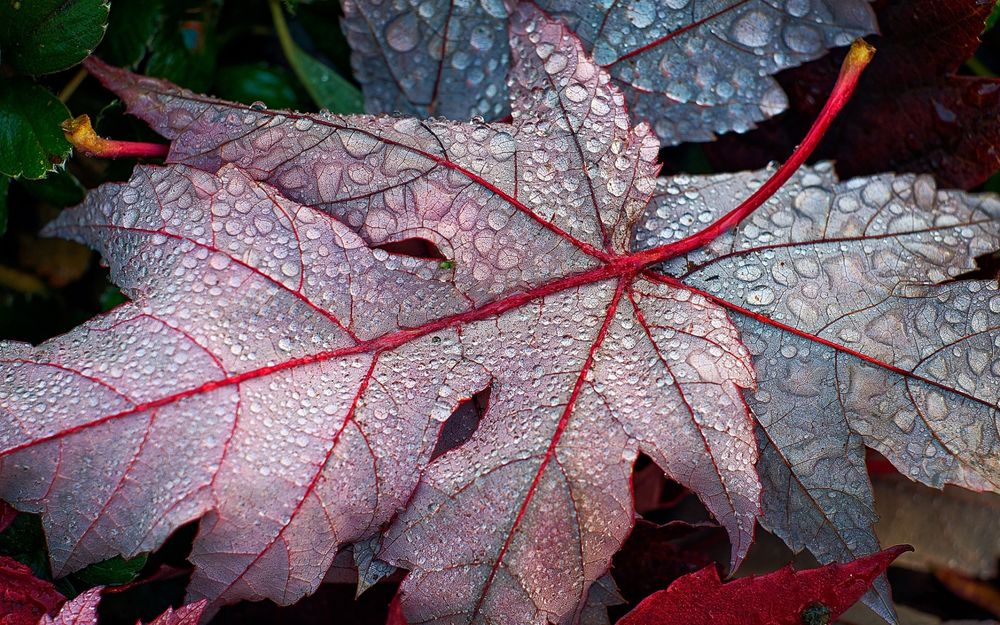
{"type": "Point", "coordinates": [402, 33]}
{"type": "Point", "coordinates": [752, 30]}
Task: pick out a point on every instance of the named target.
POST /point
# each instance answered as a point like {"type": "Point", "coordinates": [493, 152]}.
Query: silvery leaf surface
{"type": "Point", "coordinates": [691, 68]}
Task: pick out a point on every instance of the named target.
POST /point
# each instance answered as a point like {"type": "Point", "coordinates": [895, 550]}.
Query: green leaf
{"type": "Point", "coordinates": [45, 36]}
{"type": "Point", "coordinates": [111, 297]}
{"type": "Point", "coordinates": [321, 21]}
{"type": "Point", "coordinates": [327, 88]}
{"type": "Point", "coordinates": [249, 83]}
{"type": "Point", "coordinates": [4, 185]}
{"type": "Point", "coordinates": [184, 51]}
{"type": "Point", "coordinates": [60, 188]}
{"type": "Point", "coordinates": [33, 143]}
{"type": "Point", "coordinates": [131, 28]}
{"type": "Point", "coordinates": [112, 572]}
{"type": "Point", "coordinates": [991, 21]}
{"type": "Point", "coordinates": [24, 541]}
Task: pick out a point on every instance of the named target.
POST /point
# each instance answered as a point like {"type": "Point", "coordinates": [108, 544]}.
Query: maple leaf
{"type": "Point", "coordinates": [785, 597]}
{"type": "Point", "coordinates": [689, 67]}
{"type": "Point", "coordinates": [843, 293]}
{"type": "Point", "coordinates": [270, 354]}
{"type": "Point", "coordinates": [283, 375]}
{"type": "Point", "coordinates": [83, 611]}
{"type": "Point", "coordinates": [912, 113]}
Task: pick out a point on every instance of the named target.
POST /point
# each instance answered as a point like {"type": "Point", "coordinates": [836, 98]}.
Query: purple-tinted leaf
{"type": "Point", "coordinates": [281, 377]}
{"type": "Point", "coordinates": [835, 287]}
{"type": "Point", "coordinates": [83, 611]}
{"type": "Point", "coordinates": [80, 611]}
{"type": "Point", "coordinates": [692, 68]}
{"type": "Point", "coordinates": [284, 373]}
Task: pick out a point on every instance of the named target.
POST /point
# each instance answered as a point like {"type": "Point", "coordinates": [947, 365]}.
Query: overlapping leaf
{"type": "Point", "coordinates": [692, 68]}
{"type": "Point", "coordinates": [785, 597]}
{"type": "Point", "coordinates": [23, 597]}
{"type": "Point", "coordinates": [280, 378]}
{"type": "Point", "coordinates": [837, 290]}
{"type": "Point", "coordinates": [83, 611]}
{"type": "Point", "coordinates": [912, 112]}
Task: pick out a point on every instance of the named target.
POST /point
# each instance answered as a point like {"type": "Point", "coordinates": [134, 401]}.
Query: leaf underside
{"type": "Point", "coordinates": [692, 68]}
{"type": "Point", "coordinates": [283, 377]}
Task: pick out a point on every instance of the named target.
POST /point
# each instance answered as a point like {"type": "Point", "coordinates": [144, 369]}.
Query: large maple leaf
{"type": "Point", "coordinates": [280, 378]}
{"type": "Point", "coordinates": [282, 375]}
{"type": "Point", "coordinates": [692, 68]}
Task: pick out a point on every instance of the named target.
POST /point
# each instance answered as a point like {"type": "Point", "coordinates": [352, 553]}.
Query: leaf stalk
{"type": "Point", "coordinates": [81, 134]}
{"type": "Point", "coordinates": [857, 59]}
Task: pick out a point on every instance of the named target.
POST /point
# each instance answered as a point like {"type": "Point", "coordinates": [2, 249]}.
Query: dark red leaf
{"type": "Point", "coordinates": [23, 597]}
{"type": "Point", "coordinates": [785, 597]}
{"type": "Point", "coordinates": [395, 616]}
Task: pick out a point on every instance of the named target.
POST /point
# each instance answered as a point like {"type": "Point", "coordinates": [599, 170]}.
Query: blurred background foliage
{"type": "Point", "coordinates": [284, 54]}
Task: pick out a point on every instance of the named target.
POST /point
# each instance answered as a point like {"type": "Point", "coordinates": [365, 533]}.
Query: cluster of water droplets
{"type": "Point", "coordinates": [427, 57]}
{"type": "Point", "coordinates": [587, 170]}
{"type": "Point", "coordinates": [688, 82]}
{"type": "Point", "coordinates": [859, 264]}
{"type": "Point", "coordinates": [714, 77]}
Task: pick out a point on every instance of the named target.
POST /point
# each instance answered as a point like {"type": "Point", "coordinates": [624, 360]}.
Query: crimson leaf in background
{"type": "Point", "coordinates": [785, 597]}
{"type": "Point", "coordinates": [23, 597]}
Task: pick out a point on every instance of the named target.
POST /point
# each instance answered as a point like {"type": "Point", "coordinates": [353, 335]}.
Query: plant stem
{"type": "Point", "coordinates": [82, 136]}
{"type": "Point", "coordinates": [281, 29]}
{"type": "Point", "coordinates": [979, 68]}
{"type": "Point", "coordinates": [857, 59]}
{"type": "Point", "coordinates": [71, 86]}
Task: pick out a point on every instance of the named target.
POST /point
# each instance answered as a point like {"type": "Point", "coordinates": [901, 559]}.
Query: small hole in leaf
{"type": "Point", "coordinates": [987, 268]}
{"type": "Point", "coordinates": [415, 247]}
{"type": "Point", "coordinates": [462, 423]}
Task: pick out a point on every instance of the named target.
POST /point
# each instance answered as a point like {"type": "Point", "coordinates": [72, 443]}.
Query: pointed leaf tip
{"type": "Point", "coordinates": [83, 611]}
{"type": "Point", "coordinates": [785, 597]}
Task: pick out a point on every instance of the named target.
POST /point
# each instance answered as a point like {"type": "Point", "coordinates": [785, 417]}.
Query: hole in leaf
{"type": "Point", "coordinates": [415, 247]}
{"type": "Point", "coordinates": [462, 423]}
{"type": "Point", "coordinates": [987, 268]}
